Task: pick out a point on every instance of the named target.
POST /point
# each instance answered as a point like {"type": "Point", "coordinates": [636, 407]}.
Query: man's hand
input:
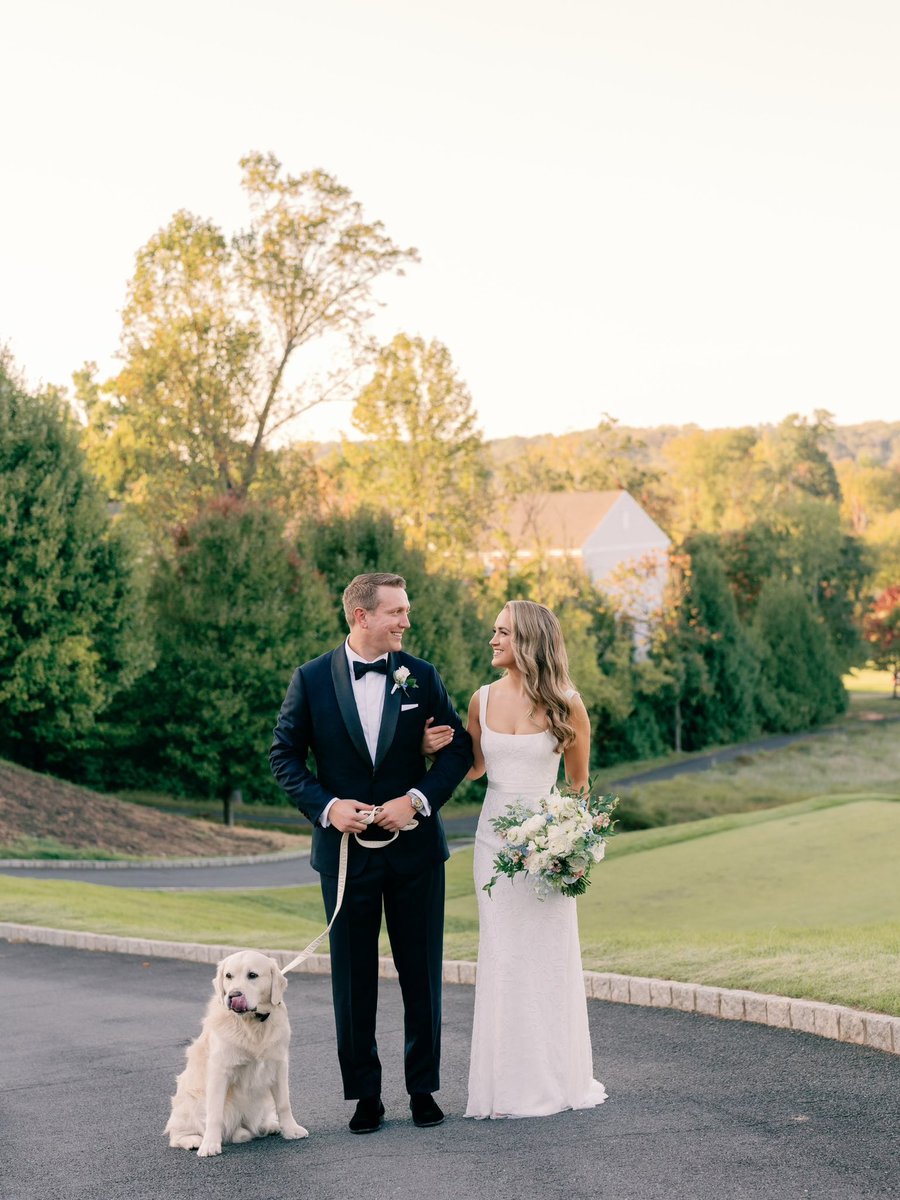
{"type": "Point", "coordinates": [435, 738]}
{"type": "Point", "coordinates": [344, 815]}
{"type": "Point", "coordinates": [395, 814]}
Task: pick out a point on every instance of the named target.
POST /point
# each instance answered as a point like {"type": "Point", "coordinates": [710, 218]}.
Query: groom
{"type": "Point", "coordinates": [361, 711]}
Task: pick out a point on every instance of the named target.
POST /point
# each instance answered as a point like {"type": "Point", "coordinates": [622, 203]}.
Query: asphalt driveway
{"type": "Point", "coordinates": [699, 1109]}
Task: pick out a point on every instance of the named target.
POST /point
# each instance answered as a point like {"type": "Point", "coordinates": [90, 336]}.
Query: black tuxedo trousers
{"type": "Point", "coordinates": [413, 908]}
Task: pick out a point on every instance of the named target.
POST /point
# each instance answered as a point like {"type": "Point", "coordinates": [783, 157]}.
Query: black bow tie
{"type": "Point", "coordinates": [360, 668]}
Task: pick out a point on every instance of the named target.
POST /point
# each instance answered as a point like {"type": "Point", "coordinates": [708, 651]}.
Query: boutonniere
{"type": "Point", "coordinates": [403, 680]}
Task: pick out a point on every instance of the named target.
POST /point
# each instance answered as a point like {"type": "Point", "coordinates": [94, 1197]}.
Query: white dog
{"type": "Point", "coordinates": [235, 1084]}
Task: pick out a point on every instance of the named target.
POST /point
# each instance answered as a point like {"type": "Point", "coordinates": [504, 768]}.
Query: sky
{"type": "Point", "coordinates": [668, 211]}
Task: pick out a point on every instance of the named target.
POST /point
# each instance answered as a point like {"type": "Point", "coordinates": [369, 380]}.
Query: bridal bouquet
{"type": "Point", "coordinates": [557, 844]}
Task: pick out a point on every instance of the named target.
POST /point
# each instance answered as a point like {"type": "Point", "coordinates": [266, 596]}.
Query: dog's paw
{"type": "Point", "coordinates": [189, 1141]}
{"type": "Point", "coordinates": [294, 1131]}
{"type": "Point", "coordinates": [209, 1148]}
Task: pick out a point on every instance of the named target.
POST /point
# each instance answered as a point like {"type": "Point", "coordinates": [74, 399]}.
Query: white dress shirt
{"type": "Point", "coordinates": [369, 693]}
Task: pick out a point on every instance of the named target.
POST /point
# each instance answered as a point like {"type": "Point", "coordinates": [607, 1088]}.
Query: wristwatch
{"type": "Point", "coordinates": [416, 802]}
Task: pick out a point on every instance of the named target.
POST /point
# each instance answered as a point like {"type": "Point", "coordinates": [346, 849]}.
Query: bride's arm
{"type": "Point", "coordinates": [474, 728]}
{"type": "Point", "coordinates": [578, 755]}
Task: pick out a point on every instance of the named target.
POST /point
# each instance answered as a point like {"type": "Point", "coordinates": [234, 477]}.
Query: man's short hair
{"type": "Point", "coordinates": [362, 592]}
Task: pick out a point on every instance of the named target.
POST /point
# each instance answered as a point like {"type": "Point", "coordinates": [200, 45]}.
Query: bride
{"type": "Point", "coordinates": [531, 1048]}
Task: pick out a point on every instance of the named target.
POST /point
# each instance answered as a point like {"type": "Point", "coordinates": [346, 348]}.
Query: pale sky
{"type": "Point", "coordinates": [667, 210]}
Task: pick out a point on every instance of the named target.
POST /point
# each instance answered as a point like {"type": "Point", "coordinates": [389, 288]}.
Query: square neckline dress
{"type": "Point", "coordinates": [531, 1047]}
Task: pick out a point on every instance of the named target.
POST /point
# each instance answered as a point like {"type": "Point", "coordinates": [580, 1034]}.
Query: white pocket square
{"type": "Point", "coordinates": [407, 707]}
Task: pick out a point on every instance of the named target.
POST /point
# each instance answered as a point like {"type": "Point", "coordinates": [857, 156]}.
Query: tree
{"type": "Point", "coordinates": [800, 540]}
{"type": "Point", "coordinates": [446, 626]}
{"type": "Point", "coordinates": [792, 458]}
{"type": "Point", "coordinates": [211, 326]}
{"type": "Point", "coordinates": [868, 491]}
{"type": "Point", "coordinates": [71, 631]}
{"type": "Point", "coordinates": [881, 631]}
{"type": "Point", "coordinates": [718, 658]}
{"type": "Point", "coordinates": [422, 460]}
{"type": "Point", "coordinates": [713, 479]}
{"type": "Point", "coordinates": [800, 681]}
{"type": "Point", "coordinates": [882, 542]}
{"type": "Point", "coordinates": [234, 611]}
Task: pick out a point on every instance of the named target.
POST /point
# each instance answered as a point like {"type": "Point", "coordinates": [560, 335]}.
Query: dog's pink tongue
{"type": "Point", "coordinates": [239, 1004]}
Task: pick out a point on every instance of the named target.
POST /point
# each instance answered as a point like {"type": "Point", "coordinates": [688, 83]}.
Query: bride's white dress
{"type": "Point", "coordinates": [531, 1046]}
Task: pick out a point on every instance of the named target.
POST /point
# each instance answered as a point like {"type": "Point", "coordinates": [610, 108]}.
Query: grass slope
{"type": "Point", "coordinates": [45, 817]}
{"type": "Point", "coordinates": [801, 900]}
{"type": "Point", "coordinates": [859, 756]}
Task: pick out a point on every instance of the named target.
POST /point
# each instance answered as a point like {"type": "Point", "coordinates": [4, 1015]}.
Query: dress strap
{"type": "Point", "coordinates": [483, 693]}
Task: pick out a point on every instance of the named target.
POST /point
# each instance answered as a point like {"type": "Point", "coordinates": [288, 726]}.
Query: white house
{"type": "Point", "coordinates": [622, 548]}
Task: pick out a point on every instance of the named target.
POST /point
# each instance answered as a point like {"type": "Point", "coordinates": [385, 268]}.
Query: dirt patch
{"type": "Point", "coordinates": [39, 806]}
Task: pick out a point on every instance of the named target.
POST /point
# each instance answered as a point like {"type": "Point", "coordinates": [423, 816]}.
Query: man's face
{"type": "Point", "coordinates": [382, 629]}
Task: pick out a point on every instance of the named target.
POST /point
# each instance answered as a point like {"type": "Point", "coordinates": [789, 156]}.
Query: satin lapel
{"type": "Point", "coordinates": [389, 713]}
{"type": "Point", "coordinates": [343, 688]}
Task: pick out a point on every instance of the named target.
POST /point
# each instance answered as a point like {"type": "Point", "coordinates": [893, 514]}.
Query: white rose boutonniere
{"type": "Point", "coordinates": [403, 680]}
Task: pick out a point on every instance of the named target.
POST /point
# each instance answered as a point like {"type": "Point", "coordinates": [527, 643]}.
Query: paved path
{"type": "Point", "coordinates": [699, 1109]}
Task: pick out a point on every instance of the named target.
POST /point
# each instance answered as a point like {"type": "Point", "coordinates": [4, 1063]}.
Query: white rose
{"type": "Point", "coordinates": [537, 860]}
{"type": "Point", "coordinates": [558, 842]}
{"type": "Point", "coordinates": [598, 851]}
{"type": "Point", "coordinates": [534, 825]}
{"type": "Point", "coordinates": [514, 835]}
{"type": "Point", "coordinates": [401, 675]}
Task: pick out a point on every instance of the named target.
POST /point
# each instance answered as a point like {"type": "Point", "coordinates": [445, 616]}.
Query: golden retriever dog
{"type": "Point", "coordinates": [235, 1084]}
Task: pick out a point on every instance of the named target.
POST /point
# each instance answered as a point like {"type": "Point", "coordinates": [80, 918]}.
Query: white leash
{"type": "Point", "coordinates": [367, 818]}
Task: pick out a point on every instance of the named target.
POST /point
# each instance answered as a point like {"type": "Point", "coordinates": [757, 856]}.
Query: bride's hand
{"type": "Point", "coordinates": [435, 738]}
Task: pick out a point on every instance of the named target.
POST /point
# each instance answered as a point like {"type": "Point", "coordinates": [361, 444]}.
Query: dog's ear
{"type": "Point", "coordinates": [219, 980]}
{"type": "Point", "coordinates": [279, 982]}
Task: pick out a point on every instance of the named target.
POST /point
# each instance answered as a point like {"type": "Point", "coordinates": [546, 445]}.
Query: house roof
{"type": "Point", "coordinates": [555, 520]}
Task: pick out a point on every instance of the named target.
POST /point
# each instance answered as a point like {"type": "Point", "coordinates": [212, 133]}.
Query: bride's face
{"type": "Point", "coordinates": [502, 642]}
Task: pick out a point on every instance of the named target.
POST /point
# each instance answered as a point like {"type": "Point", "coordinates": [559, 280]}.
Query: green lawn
{"type": "Point", "coordinates": [801, 900]}
{"type": "Point", "coordinates": [867, 679]}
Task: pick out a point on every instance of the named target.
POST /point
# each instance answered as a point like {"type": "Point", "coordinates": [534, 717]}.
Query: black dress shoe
{"type": "Point", "coordinates": [424, 1110]}
{"type": "Point", "coordinates": [368, 1115]}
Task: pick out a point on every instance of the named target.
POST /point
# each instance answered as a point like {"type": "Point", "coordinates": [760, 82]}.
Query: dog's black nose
{"type": "Point", "coordinates": [234, 992]}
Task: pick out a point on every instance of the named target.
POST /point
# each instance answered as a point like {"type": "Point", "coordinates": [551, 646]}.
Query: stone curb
{"type": "Point", "coordinates": [118, 864]}
{"type": "Point", "coordinates": [875, 1030]}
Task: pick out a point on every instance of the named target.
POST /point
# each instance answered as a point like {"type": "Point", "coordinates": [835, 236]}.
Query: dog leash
{"type": "Point", "coordinates": [367, 818]}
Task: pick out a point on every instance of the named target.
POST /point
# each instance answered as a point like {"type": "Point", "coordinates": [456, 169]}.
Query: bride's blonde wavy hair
{"type": "Point", "coordinates": [540, 654]}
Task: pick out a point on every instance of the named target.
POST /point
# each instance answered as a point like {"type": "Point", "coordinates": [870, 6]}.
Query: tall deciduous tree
{"type": "Point", "coordinates": [792, 459]}
{"type": "Point", "coordinates": [212, 325]}
{"type": "Point", "coordinates": [70, 603]}
{"type": "Point", "coordinates": [422, 460]}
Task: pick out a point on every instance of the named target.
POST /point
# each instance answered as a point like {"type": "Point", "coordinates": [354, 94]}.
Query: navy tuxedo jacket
{"type": "Point", "coordinates": [319, 717]}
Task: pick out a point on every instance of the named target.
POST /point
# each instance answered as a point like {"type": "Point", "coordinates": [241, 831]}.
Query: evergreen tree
{"type": "Point", "coordinates": [234, 611]}
{"type": "Point", "coordinates": [719, 705]}
{"type": "Point", "coordinates": [70, 605]}
{"type": "Point", "coordinates": [446, 626]}
{"type": "Point", "coordinates": [800, 682]}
